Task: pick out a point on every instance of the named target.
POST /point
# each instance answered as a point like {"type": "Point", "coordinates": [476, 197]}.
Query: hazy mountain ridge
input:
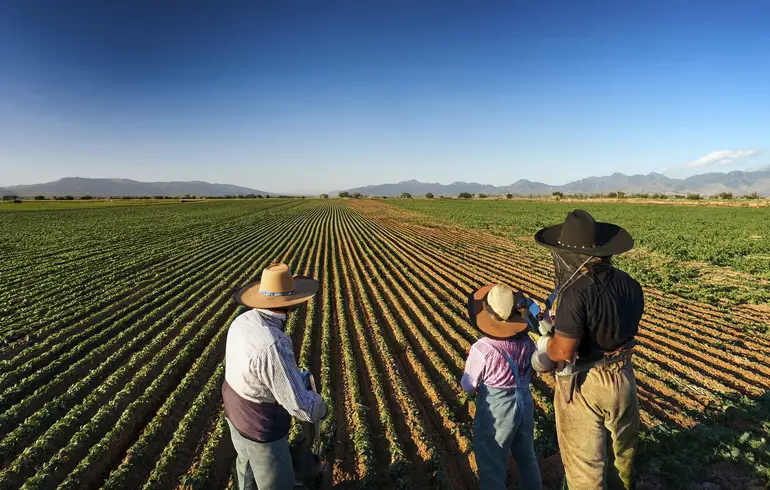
{"type": "Point", "coordinates": [78, 186]}
{"type": "Point", "coordinates": [737, 182]}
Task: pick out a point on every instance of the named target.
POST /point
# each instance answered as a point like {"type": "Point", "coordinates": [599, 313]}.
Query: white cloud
{"type": "Point", "coordinates": [721, 157]}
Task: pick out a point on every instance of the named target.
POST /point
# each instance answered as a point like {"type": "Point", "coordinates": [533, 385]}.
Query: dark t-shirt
{"type": "Point", "coordinates": [602, 309]}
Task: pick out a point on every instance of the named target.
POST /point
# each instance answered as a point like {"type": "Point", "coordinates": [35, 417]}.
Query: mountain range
{"type": "Point", "coordinates": [78, 186]}
{"type": "Point", "coordinates": [737, 182]}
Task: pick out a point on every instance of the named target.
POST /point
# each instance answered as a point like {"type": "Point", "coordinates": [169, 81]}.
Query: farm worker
{"type": "Point", "coordinates": [595, 317]}
{"type": "Point", "coordinates": [498, 369]}
{"type": "Point", "coordinates": [263, 386]}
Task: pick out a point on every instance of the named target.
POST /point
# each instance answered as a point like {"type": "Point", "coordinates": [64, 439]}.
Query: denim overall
{"type": "Point", "coordinates": [505, 424]}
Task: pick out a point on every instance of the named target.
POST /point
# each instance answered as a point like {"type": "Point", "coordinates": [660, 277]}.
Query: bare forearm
{"type": "Point", "coordinates": [562, 348]}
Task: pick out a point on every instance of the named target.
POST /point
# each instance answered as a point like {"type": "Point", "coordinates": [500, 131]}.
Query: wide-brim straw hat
{"type": "Point", "coordinates": [492, 310]}
{"type": "Point", "coordinates": [582, 234]}
{"type": "Point", "coordinates": [278, 288]}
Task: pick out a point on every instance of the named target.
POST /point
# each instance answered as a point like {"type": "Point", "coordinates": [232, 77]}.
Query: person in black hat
{"type": "Point", "coordinates": [594, 318]}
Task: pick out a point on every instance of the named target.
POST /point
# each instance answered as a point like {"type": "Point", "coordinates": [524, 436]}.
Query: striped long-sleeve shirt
{"type": "Point", "coordinates": [260, 365]}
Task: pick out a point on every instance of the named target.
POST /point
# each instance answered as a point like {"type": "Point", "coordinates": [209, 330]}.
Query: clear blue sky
{"type": "Point", "coordinates": [312, 96]}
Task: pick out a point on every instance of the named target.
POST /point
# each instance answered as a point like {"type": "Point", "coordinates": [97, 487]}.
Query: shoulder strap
{"type": "Point", "coordinates": [513, 366]}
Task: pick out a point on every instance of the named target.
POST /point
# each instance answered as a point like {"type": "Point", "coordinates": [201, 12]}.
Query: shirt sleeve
{"type": "Point", "coordinates": [281, 375]}
{"type": "Point", "coordinates": [570, 315]}
{"type": "Point", "coordinates": [474, 370]}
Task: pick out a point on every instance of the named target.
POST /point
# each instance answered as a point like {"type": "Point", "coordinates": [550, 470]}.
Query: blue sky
{"type": "Point", "coordinates": [316, 96]}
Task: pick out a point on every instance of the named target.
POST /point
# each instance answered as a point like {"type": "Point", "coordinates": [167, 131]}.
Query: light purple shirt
{"type": "Point", "coordinates": [486, 365]}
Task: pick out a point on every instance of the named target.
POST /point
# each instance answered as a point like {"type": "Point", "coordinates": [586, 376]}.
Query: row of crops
{"type": "Point", "coordinates": [112, 358]}
{"type": "Point", "coordinates": [714, 254]}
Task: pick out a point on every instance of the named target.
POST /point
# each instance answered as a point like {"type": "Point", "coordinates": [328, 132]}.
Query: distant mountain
{"type": "Point", "coordinates": [78, 186]}
{"type": "Point", "coordinates": [737, 182]}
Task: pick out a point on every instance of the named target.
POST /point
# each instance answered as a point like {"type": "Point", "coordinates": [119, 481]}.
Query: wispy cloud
{"type": "Point", "coordinates": [721, 157]}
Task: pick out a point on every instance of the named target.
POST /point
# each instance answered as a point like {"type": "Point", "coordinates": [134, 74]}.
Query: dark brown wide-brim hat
{"type": "Point", "coordinates": [278, 288]}
{"type": "Point", "coordinates": [492, 310]}
{"type": "Point", "coordinates": [582, 234]}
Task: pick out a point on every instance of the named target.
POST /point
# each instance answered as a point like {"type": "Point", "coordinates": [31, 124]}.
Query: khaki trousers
{"type": "Point", "coordinates": [604, 401]}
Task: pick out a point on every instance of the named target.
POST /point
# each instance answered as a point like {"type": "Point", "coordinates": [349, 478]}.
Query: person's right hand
{"type": "Point", "coordinates": [541, 362]}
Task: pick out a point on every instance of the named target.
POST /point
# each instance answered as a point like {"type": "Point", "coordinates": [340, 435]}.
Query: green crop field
{"type": "Point", "coordinates": [113, 321]}
{"type": "Point", "coordinates": [674, 242]}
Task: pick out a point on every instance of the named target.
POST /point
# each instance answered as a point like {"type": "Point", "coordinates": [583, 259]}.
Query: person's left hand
{"type": "Point", "coordinates": [540, 360]}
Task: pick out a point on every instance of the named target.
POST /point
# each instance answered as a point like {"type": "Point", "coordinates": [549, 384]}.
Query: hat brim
{"type": "Point", "coordinates": [616, 240]}
{"type": "Point", "coordinates": [481, 319]}
{"type": "Point", "coordinates": [304, 289]}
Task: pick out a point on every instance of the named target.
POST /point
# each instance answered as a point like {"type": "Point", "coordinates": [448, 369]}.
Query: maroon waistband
{"type": "Point", "coordinates": [260, 422]}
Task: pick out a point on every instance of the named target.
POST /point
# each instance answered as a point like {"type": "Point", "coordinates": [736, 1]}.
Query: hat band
{"type": "Point", "coordinates": [575, 246]}
{"type": "Point", "coordinates": [268, 293]}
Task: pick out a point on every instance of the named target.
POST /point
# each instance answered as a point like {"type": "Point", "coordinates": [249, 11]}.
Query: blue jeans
{"type": "Point", "coordinates": [263, 466]}
{"type": "Point", "coordinates": [505, 424]}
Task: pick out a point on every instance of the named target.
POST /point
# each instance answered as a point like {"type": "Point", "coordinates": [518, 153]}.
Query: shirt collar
{"type": "Point", "coordinates": [274, 314]}
{"type": "Point", "coordinates": [270, 318]}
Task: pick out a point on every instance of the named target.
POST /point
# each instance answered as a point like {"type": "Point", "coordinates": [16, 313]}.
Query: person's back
{"type": "Point", "coordinates": [499, 370]}
{"type": "Point", "coordinates": [263, 386]}
{"type": "Point", "coordinates": [486, 363]}
{"type": "Point", "coordinates": [595, 318]}
{"type": "Point", "coordinates": [601, 308]}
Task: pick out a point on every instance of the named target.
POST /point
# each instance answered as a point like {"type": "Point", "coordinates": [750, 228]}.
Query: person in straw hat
{"type": "Point", "coordinates": [498, 370]}
{"type": "Point", "coordinates": [263, 386]}
{"type": "Point", "coordinates": [588, 337]}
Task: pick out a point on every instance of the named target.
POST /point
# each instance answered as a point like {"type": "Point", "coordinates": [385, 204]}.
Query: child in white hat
{"type": "Point", "coordinates": [498, 369]}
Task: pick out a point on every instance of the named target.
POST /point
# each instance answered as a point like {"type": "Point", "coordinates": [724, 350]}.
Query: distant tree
{"type": "Point", "coordinates": [406, 195]}
{"type": "Point", "coordinates": [465, 195]}
{"type": "Point", "coordinates": [482, 196]}
{"type": "Point", "coordinates": [441, 197]}
{"type": "Point", "coordinates": [510, 196]}
{"type": "Point", "coordinates": [694, 197]}
{"type": "Point", "coordinates": [428, 195]}
{"type": "Point", "coordinates": [260, 196]}
{"type": "Point", "coordinates": [357, 195]}
{"type": "Point", "coordinates": [660, 195]}
{"type": "Point", "coordinates": [9, 198]}
{"type": "Point", "coordinates": [384, 197]}
{"type": "Point", "coordinates": [621, 195]}
{"type": "Point", "coordinates": [39, 198]}
{"type": "Point", "coordinates": [557, 194]}
{"type": "Point", "coordinates": [251, 196]}
{"type": "Point", "coordinates": [725, 195]}
{"type": "Point", "coordinates": [752, 195]}
{"type": "Point", "coordinates": [324, 196]}
{"type": "Point", "coordinates": [267, 196]}
{"type": "Point", "coordinates": [344, 194]}
{"type": "Point", "coordinates": [69, 198]}
{"type": "Point", "coordinates": [18, 201]}
{"type": "Point", "coordinates": [612, 195]}
{"type": "Point", "coordinates": [86, 198]}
